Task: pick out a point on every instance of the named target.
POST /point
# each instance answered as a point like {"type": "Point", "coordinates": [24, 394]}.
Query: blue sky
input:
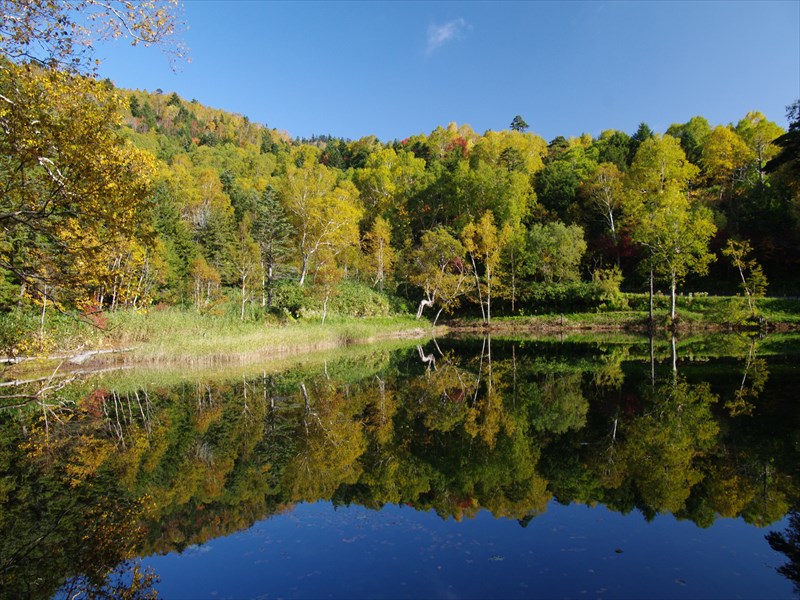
{"type": "Point", "coordinates": [395, 69]}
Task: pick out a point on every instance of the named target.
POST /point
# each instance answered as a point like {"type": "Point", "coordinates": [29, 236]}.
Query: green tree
{"type": "Point", "coordinates": [244, 254]}
{"type": "Point", "coordinates": [558, 184]}
{"type": "Point", "coordinates": [759, 134]}
{"type": "Point", "coordinates": [613, 147]}
{"type": "Point", "coordinates": [386, 182]}
{"type": "Point", "coordinates": [660, 164]}
{"type": "Point", "coordinates": [788, 157]}
{"type": "Point", "coordinates": [785, 167]}
{"type": "Point", "coordinates": [655, 194]}
{"type": "Point", "coordinates": [692, 136]}
{"type": "Point", "coordinates": [380, 254]}
{"type": "Point", "coordinates": [676, 235]}
{"type": "Point", "coordinates": [604, 191]}
{"type": "Point", "coordinates": [726, 160]}
{"type": "Point", "coordinates": [484, 244]}
{"type": "Point", "coordinates": [554, 252]}
{"type": "Point", "coordinates": [643, 133]}
{"type": "Point", "coordinates": [754, 284]}
{"type": "Point", "coordinates": [327, 276]}
{"type": "Point", "coordinates": [518, 124]}
{"type": "Point", "coordinates": [511, 151]}
{"type": "Point", "coordinates": [272, 232]}
{"type": "Point", "coordinates": [324, 212]}
{"type": "Point", "coordinates": [438, 269]}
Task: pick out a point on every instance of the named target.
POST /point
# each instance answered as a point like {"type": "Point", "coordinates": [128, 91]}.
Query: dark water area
{"type": "Point", "coordinates": [462, 468]}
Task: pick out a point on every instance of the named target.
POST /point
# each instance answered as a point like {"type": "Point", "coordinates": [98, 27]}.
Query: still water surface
{"type": "Point", "coordinates": [459, 469]}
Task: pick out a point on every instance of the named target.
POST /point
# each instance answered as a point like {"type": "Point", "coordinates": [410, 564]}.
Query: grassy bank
{"type": "Point", "coordinates": [172, 335]}
{"type": "Point", "coordinates": [185, 336]}
{"type": "Point", "coordinates": [694, 313]}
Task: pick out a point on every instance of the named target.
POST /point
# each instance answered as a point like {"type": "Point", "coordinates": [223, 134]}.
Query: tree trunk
{"type": "Point", "coordinates": [513, 279]}
{"type": "Point", "coordinates": [44, 308]}
{"type": "Point", "coordinates": [380, 266]}
{"type": "Point", "coordinates": [304, 270]}
{"type": "Point", "coordinates": [488, 304]}
{"type": "Point", "coordinates": [674, 357]}
{"type": "Point", "coordinates": [652, 360]}
{"type": "Point", "coordinates": [263, 285]}
{"type": "Point", "coordinates": [422, 304]}
{"type": "Point", "coordinates": [614, 236]}
{"type": "Point", "coordinates": [672, 298]}
{"type": "Point", "coordinates": [651, 297]}
{"type": "Point", "coordinates": [478, 286]}
{"type": "Point", "coordinates": [244, 278]}
{"type": "Point", "coordinates": [746, 291]}
{"type": "Point", "coordinates": [270, 283]}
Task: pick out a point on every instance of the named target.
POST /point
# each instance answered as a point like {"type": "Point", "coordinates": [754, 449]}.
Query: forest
{"type": "Point", "coordinates": [127, 199]}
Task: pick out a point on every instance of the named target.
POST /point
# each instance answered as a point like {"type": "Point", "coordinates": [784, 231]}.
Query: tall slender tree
{"type": "Point", "coordinates": [272, 232]}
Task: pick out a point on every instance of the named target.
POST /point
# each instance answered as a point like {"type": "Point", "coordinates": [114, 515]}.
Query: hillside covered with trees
{"type": "Point", "coordinates": [129, 199]}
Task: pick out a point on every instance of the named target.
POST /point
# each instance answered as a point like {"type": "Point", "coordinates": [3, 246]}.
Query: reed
{"type": "Point", "coordinates": [174, 335]}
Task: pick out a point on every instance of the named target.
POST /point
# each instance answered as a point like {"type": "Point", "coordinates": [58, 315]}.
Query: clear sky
{"type": "Point", "coordinates": [394, 69]}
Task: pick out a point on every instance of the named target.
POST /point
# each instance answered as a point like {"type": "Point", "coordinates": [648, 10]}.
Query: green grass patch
{"type": "Point", "coordinates": [175, 334]}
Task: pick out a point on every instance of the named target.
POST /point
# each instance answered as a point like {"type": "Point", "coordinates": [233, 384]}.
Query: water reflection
{"type": "Point", "coordinates": [454, 426]}
{"type": "Point", "coordinates": [788, 543]}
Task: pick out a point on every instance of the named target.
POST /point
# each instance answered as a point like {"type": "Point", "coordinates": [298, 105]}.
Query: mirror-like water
{"type": "Point", "coordinates": [463, 468]}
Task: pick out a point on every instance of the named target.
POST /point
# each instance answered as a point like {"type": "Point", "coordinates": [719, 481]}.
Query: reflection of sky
{"type": "Point", "coordinates": [570, 551]}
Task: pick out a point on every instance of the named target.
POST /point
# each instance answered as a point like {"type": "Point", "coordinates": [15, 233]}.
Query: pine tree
{"type": "Point", "coordinates": [273, 232]}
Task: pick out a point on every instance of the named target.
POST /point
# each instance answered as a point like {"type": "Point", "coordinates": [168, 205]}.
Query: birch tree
{"type": "Point", "coordinates": [438, 269]}
{"type": "Point", "coordinates": [324, 212]}
{"type": "Point", "coordinates": [484, 243]}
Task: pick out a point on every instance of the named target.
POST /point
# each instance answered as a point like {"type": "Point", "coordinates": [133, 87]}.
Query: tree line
{"type": "Point", "coordinates": [116, 198]}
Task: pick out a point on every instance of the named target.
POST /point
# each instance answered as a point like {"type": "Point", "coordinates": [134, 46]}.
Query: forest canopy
{"type": "Point", "coordinates": [127, 198]}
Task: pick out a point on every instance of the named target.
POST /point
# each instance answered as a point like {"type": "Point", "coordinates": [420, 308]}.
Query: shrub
{"type": "Point", "coordinates": [350, 299]}
{"type": "Point", "coordinates": [607, 282]}
{"type": "Point", "coordinates": [291, 298]}
{"type": "Point", "coordinates": [354, 299]}
{"type": "Point", "coordinates": [727, 311]}
{"type": "Point", "coordinates": [562, 297]}
{"type": "Point", "coordinates": [21, 333]}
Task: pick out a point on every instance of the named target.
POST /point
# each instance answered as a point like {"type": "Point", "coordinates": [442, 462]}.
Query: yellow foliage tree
{"type": "Point", "coordinates": [325, 213]}
{"type": "Point", "coordinates": [71, 186]}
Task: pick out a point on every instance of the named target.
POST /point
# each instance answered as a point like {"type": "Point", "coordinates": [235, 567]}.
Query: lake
{"type": "Point", "coordinates": [617, 467]}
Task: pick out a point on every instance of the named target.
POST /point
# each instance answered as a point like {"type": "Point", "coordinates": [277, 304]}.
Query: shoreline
{"type": "Point", "coordinates": [153, 340]}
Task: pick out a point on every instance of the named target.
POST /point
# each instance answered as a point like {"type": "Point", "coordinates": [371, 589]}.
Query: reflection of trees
{"type": "Point", "coordinates": [491, 426]}
{"type": "Point", "coordinates": [556, 402]}
{"type": "Point", "coordinates": [54, 526]}
{"type": "Point", "coordinates": [788, 543]}
{"type": "Point", "coordinates": [473, 438]}
{"type": "Point", "coordinates": [754, 378]}
{"type": "Point", "coordinates": [332, 440]}
{"type": "Point", "coordinates": [661, 448]}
